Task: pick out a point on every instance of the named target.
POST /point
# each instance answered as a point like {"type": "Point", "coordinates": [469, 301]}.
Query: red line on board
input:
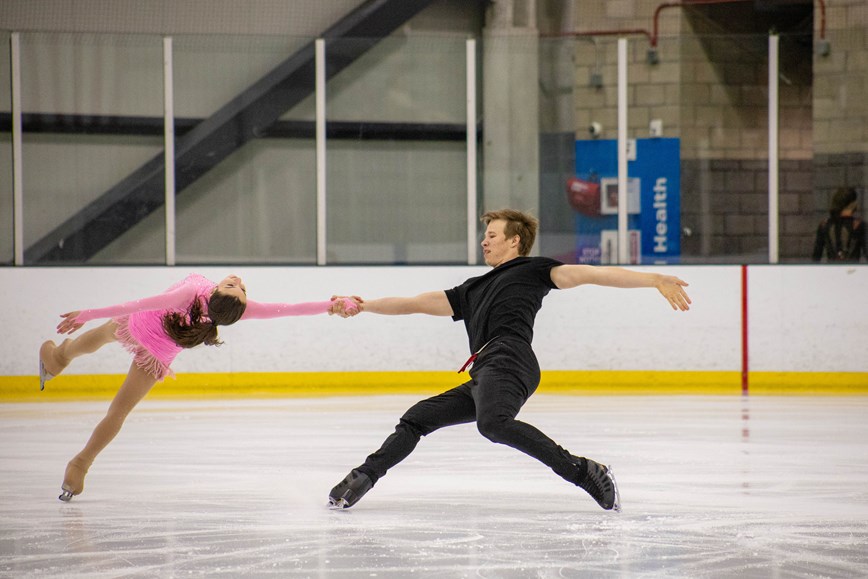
{"type": "Point", "coordinates": [744, 326]}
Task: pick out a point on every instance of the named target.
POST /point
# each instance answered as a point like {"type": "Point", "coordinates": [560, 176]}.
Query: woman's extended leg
{"type": "Point", "coordinates": [55, 358]}
{"type": "Point", "coordinates": [136, 385]}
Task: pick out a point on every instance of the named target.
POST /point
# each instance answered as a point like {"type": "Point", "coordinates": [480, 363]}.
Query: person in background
{"type": "Point", "coordinates": [154, 330]}
{"type": "Point", "coordinates": [841, 237]}
{"type": "Point", "coordinates": [498, 310]}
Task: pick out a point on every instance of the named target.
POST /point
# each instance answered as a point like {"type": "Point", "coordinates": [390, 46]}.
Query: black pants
{"type": "Point", "coordinates": [504, 376]}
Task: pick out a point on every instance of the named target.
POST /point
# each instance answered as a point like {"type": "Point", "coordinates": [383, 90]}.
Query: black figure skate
{"type": "Point", "coordinates": [350, 490]}
{"type": "Point", "coordinates": [599, 480]}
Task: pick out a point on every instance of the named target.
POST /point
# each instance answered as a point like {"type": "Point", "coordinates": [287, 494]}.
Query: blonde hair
{"type": "Point", "coordinates": [517, 223]}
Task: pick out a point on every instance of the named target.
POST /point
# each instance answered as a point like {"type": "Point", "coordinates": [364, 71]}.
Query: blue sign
{"type": "Point", "coordinates": [653, 201]}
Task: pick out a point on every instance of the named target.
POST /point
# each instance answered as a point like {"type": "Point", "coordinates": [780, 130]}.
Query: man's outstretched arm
{"type": "Point", "coordinates": [432, 303]}
{"type": "Point", "coordinates": [669, 286]}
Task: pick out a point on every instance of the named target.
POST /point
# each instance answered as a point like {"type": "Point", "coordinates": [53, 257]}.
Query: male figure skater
{"type": "Point", "coordinates": [498, 310]}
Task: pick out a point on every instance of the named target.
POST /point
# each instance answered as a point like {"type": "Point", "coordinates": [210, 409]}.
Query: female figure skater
{"type": "Point", "coordinates": [154, 330]}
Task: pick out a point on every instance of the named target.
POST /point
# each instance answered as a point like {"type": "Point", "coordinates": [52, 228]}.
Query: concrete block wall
{"type": "Point", "coordinates": [840, 105]}
{"type": "Point", "coordinates": [724, 104]}
{"type": "Point", "coordinates": [725, 209]}
{"type": "Point", "coordinates": [841, 80]}
{"type": "Point", "coordinates": [709, 89]}
{"type": "Point", "coordinates": [654, 91]}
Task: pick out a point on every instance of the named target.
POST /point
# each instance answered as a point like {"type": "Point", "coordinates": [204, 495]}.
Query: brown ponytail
{"type": "Point", "coordinates": [194, 328]}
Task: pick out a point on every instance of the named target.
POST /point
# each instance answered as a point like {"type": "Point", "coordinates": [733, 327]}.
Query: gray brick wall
{"type": "Point", "coordinates": [724, 206]}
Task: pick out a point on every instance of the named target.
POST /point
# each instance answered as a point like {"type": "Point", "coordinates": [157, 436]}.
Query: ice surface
{"type": "Point", "coordinates": [711, 487]}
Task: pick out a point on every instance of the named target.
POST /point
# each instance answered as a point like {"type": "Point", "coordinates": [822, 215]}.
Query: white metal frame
{"type": "Point", "coordinates": [471, 153]}
{"type": "Point", "coordinates": [17, 164]}
{"type": "Point", "coordinates": [319, 45]}
{"type": "Point", "coordinates": [623, 244]}
{"type": "Point", "coordinates": [169, 140]}
{"type": "Point", "coordinates": [774, 192]}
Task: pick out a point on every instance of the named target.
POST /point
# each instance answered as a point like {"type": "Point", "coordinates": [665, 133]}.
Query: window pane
{"type": "Point", "coordinates": [397, 164]}
{"type": "Point", "coordinates": [246, 174]}
{"type": "Point", "coordinates": [93, 108]}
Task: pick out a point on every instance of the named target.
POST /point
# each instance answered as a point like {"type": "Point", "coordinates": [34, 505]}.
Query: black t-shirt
{"type": "Point", "coordinates": [504, 301]}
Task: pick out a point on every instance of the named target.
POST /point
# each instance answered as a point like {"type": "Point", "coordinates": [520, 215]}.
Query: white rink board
{"type": "Point", "coordinates": [809, 318]}
{"type": "Point", "coordinates": [802, 319]}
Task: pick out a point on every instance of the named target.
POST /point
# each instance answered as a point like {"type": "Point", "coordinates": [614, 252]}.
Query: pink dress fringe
{"type": "Point", "coordinates": [143, 359]}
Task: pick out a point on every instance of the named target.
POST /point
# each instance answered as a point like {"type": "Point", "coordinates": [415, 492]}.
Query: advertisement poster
{"type": "Point", "coordinates": [653, 201]}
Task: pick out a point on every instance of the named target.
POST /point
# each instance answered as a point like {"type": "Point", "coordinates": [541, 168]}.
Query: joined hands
{"type": "Point", "coordinates": [346, 306]}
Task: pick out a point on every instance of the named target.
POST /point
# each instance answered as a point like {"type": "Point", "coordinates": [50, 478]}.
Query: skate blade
{"type": "Point", "coordinates": [337, 505]}
{"type": "Point", "coordinates": [66, 494]}
{"type": "Point", "coordinates": [44, 375]}
{"type": "Point", "coordinates": [616, 506]}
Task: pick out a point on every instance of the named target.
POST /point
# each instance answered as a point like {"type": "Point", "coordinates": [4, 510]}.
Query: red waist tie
{"type": "Point", "coordinates": [469, 363]}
